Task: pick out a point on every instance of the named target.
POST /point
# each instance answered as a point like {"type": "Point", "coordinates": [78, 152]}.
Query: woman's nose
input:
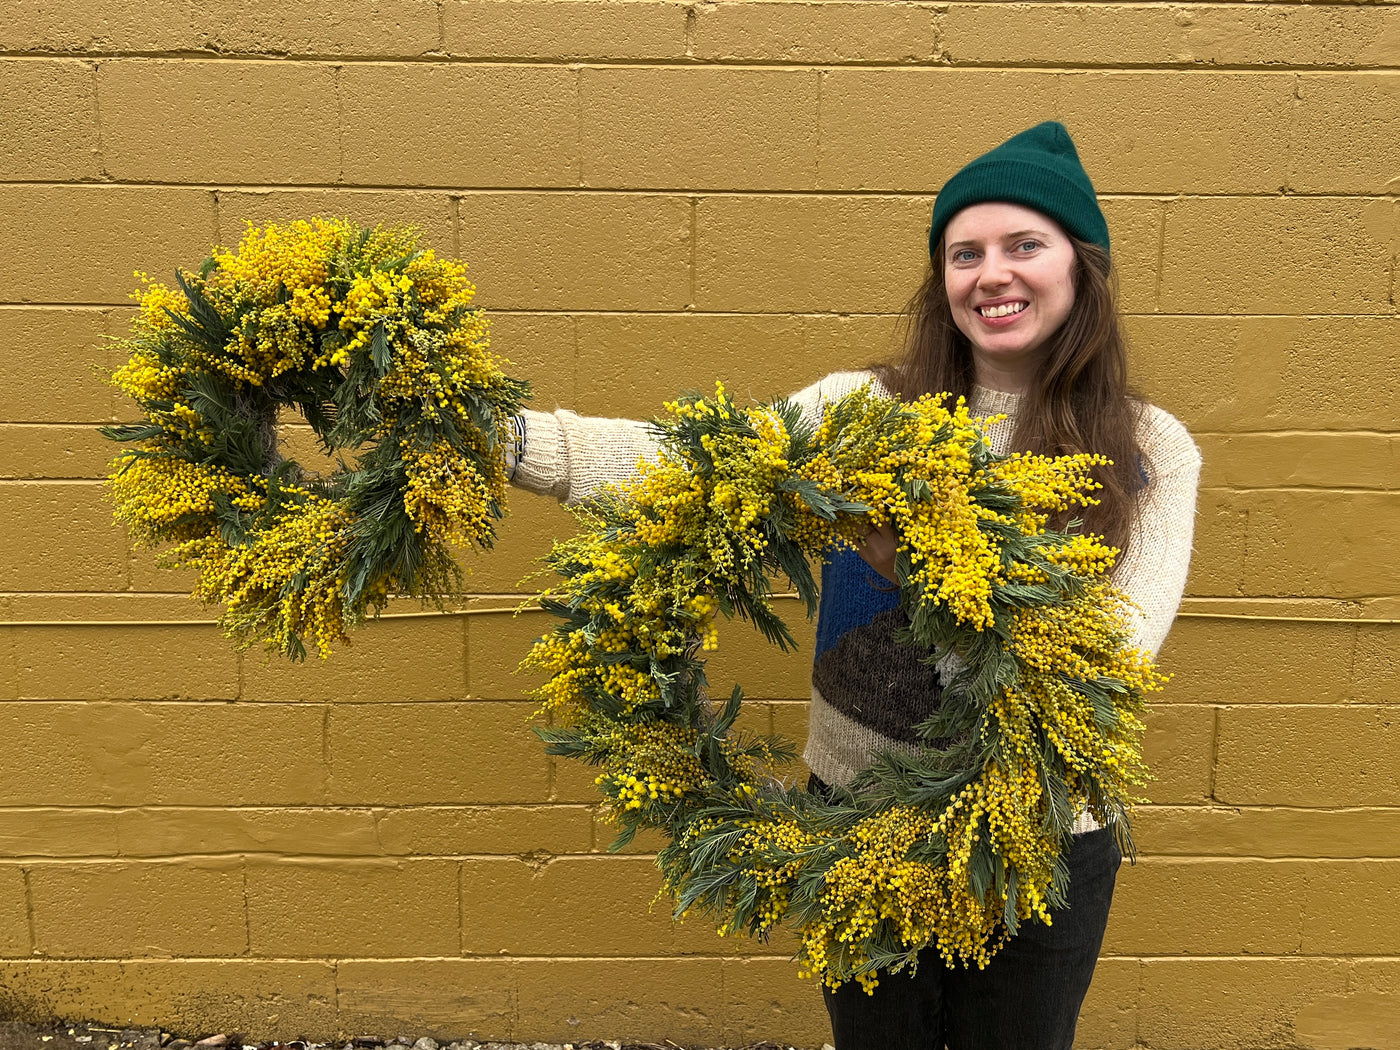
{"type": "Point", "coordinates": [995, 271]}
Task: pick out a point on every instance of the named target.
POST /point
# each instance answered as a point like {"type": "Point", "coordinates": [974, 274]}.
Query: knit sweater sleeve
{"type": "Point", "coordinates": [571, 457]}
{"type": "Point", "coordinates": [1153, 572]}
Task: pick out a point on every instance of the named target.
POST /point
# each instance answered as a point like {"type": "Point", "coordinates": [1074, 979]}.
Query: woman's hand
{"type": "Point", "coordinates": [878, 550]}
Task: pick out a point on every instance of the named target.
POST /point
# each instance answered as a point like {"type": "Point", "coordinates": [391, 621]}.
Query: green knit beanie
{"type": "Point", "coordinates": [1040, 169]}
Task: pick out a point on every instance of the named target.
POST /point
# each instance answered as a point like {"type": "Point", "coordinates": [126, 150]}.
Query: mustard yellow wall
{"type": "Point", "coordinates": [653, 195]}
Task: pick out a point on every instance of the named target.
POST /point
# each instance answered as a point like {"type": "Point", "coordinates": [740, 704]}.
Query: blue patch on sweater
{"type": "Point", "coordinates": [853, 594]}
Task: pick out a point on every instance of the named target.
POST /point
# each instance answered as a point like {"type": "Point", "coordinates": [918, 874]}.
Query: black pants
{"type": "Point", "coordinates": [1027, 998]}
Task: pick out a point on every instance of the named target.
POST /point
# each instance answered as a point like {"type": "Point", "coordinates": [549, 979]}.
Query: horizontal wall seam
{"type": "Point", "coordinates": [680, 63]}
{"type": "Point", "coordinates": [570, 189]}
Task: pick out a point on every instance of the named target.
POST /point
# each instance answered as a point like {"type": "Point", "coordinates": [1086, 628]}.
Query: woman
{"type": "Point", "coordinates": [1017, 315]}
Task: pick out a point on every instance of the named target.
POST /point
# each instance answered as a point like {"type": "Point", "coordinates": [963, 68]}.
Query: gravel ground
{"type": "Point", "coordinates": [17, 1036]}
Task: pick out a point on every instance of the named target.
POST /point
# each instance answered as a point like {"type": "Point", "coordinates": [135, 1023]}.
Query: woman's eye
{"type": "Point", "coordinates": [964, 255]}
{"type": "Point", "coordinates": [1029, 246]}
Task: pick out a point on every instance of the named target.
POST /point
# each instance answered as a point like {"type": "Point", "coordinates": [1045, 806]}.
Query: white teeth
{"type": "Point", "coordinates": [1003, 310]}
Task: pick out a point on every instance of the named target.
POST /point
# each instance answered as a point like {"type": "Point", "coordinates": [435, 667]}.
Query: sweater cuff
{"type": "Point", "coordinates": [544, 467]}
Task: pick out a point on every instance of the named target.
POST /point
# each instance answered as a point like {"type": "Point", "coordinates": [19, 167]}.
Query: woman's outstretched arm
{"type": "Point", "coordinates": [571, 457]}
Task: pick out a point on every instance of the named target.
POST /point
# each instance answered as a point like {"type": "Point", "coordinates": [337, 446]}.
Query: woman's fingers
{"type": "Point", "coordinates": [878, 550]}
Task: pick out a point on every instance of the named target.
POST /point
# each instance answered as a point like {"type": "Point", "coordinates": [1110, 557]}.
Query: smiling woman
{"type": "Point", "coordinates": [1017, 316]}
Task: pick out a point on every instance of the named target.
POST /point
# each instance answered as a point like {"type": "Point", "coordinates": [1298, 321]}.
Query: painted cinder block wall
{"type": "Point", "coordinates": [654, 195]}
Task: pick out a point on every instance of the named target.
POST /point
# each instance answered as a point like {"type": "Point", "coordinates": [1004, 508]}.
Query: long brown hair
{"type": "Point", "coordinates": [1079, 400]}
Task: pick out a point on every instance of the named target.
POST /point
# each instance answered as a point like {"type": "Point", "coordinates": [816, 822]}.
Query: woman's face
{"type": "Point", "coordinates": [1009, 273]}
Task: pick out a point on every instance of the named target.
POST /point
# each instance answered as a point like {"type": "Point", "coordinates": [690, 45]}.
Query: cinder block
{"type": "Point", "coordinates": [585, 251]}
{"type": "Point", "coordinates": [346, 908]}
{"type": "Point", "coordinates": [1281, 542]}
{"type": "Point", "coordinates": [816, 33]}
{"type": "Point", "coordinates": [1311, 460]}
{"type": "Point", "coordinates": [1232, 1004]}
{"type": "Point", "coordinates": [1061, 34]}
{"type": "Point", "coordinates": [489, 125]}
{"type": "Point", "coordinates": [1217, 563]}
{"type": "Point", "coordinates": [1272, 36]}
{"type": "Point", "coordinates": [1375, 665]}
{"type": "Point", "coordinates": [175, 831]}
{"type": "Point", "coordinates": [431, 213]}
{"type": "Point", "coordinates": [540, 348]}
{"type": "Point", "coordinates": [119, 910]}
{"type": "Point", "coordinates": [46, 832]}
{"type": "Point", "coordinates": [1177, 746]}
{"type": "Point", "coordinates": [1108, 1019]}
{"type": "Point", "coordinates": [911, 129]}
{"type": "Point", "coordinates": [120, 662]}
{"type": "Point", "coordinates": [496, 643]}
{"type": "Point", "coordinates": [835, 343]}
{"type": "Point", "coordinates": [84, 242]}
{"type": "Point", "coordinates": [1269, 373]}
{"type": "Point", "coordinates": [406, 28]}
{"type": "Point", "coordinates": [1270, 262]}
{"type": "Point", "coordinates": [630, 364]}
{"type": "Point", "coordinates": [531, 29]}
{"type": "Point", "coordinates": [61, 538]}
{"type": "Point", "coordinates": [764, 1000]}
{"type": "Point", "coordinates": [743, 129]}
{"type": "Point", "coordinates": [1135, 229]}
{"type": "Point", "coordinates": [1230, 125]}
{"type": "Point", "coordinates": [14, 913]}
{"type": "Point", "coordinates": [445, 998]}
{"type": "Point", "coordinates": [1218, 831]}
{"type": "Point", "coordinates": [457, 830]}
{"type": "Point", "coordinates": [763, 670]}
{"type": "Point", "coordinates": [434, 754]}
{"type": "Point", "coordinates": [1347, 130]}
{"type": "Point", "coordinates": [1244, 662]}
{"type": "Point", "coordinates": [252, 122]}
{"type": "Point", "coordinates": [628, 998]}
{"type": "Point", "coordinates": [513, 566]}
{"type": "Point", "coordinates": [262, 999]}
{"type": "Point", "coordinates": [388, 28]}
{"type": "Point", "coordinates": [126, 753]}
{"type": "Point", "coordinates": [572, 781]}
{"type": "Point", "coordinates": [798, 253]}
{"type": "Point", "coordinates": [48, 129]}
{"type": "Point", "coordinates": [1343, 905]}
{"type": "Point", "coordinates": [30, 451]}
{"type": "Point", "coordinates": [599, 905]}
{"type": "Point", "coordinates": [1366, 1013]}
{"type": "Point", "coordinates": [1237, 907]}
{"type": "Point", "coordinates": [407, 658]}
{"type": "Point", "coordinates": [60, 379]}
{"type": "Point", "coordinates": [1351, 758]}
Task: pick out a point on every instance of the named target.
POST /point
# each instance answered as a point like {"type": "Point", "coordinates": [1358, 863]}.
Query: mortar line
{"type": "Point", "coordinates": [29, 912]}
{"type": "Point", "coordinates": [339, 124]}
{"type": "Point", "coordinates": [689, 61]}
{"type": "Point", "coordinates": [817, 153]}
{"type": "Point", "coordinates": [326, 756]}
{"type": "Point", "coordinates": [1295, 100]}
{"type": "Point", "coordinates": [692, 19]}
{"type": "Point", "coordinates": [455, 210]}
{"type": "Point", "coordinates": [576, 330]}
{"type": "Point", "coordinates": [97, 120]}
{"type": "Point", "coordinates": [578, 127]}
{"type": "Point", "coordinates": [442, 27]}
{"type": "Point", "coordinates": [694, 249]}
{"type": "Point", "coordinates": [1161, 256]}
{"type": "Point", "coordinates": [1214, 754]}
{"type": "Point", "coordinates": [893, 192]}
{"type": "Point", "coordinates": [247, 916]}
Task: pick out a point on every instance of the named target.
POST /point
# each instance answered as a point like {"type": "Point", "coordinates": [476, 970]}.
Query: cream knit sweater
{"type": "Point", "coordinates": [570, 457]}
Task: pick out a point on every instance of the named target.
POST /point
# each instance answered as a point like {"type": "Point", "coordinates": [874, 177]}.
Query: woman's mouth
{"type": "Point", "coordinates": [1002, 310]}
